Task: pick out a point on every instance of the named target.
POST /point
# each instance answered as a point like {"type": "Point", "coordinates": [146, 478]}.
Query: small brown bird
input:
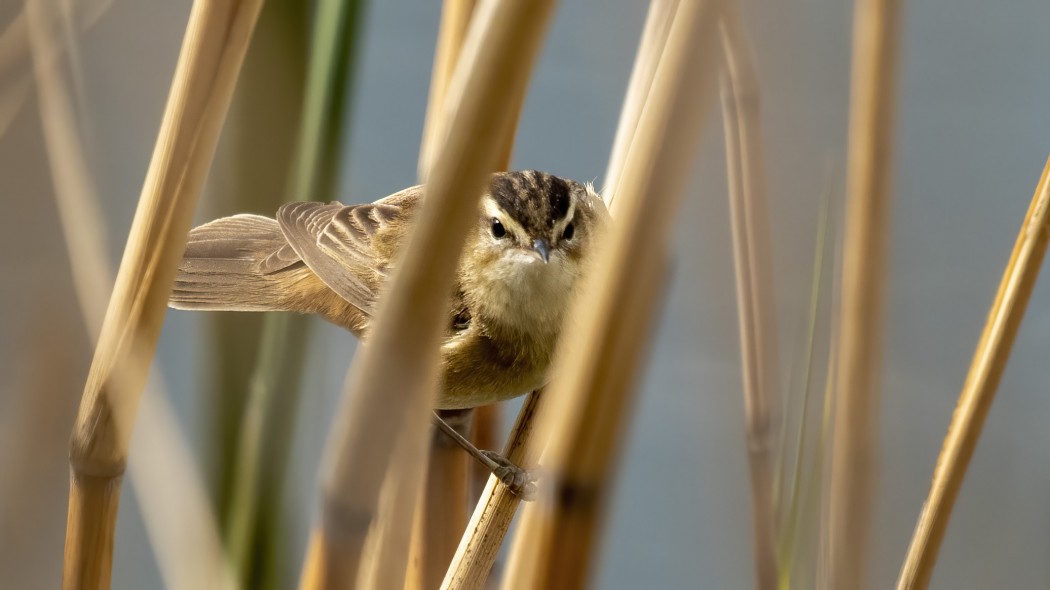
{"type": "Point", "coordinates": [520, 265]}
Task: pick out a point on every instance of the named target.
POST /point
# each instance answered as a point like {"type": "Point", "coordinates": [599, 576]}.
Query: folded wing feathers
{"type": "Point", "coordinates": [236, 263]}
{"type": "Point", "coordinates": [340, 266]}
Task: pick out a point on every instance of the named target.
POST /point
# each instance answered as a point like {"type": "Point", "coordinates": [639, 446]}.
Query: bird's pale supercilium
{"type": "Point", "coordinates": [523, 259]}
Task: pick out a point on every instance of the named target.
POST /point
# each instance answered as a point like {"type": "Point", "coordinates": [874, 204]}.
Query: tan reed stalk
{"type": "Point", "coordinates": [216, 40]}
{"type": "Point", "coordinates": [454, 38]}
{"type": "Point", "coordinates": [496, 507]}
{"type": "Point", "coordinates": [393, 535]}
{"type": "Point", "coordinates": [488, 525]}
{"type": "Point", "coordinates": [441, 514]}
{"type": "Point", "coordinates": [540, 556]}
{"type": "Point", "coordinates": [443, 511]}
{"type": "Point", "coordinates": [598, 363]}
{"type": "Point", "coordinates": [650, 48]}
{"type": "Point", "coordinates": [392, 383]}
{"type": "Point", "coordinates": [485, 432]}
{"type": "Point", "coordinates": [872, 105]}
{"type": "Point", "coordinates": [989, 361]}
{"type": "Point", "coordinates": [754, 281]}
{"type": "Point", "coordinates": [180, 525]}
{"type": "Point", "coordinates": [455, 19]}
{"type": "Point", "coordinates": [443, 518]}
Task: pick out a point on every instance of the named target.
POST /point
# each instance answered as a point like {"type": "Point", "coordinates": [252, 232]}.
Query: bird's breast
{"type": "Point", "coordinates": [485, 365]}
{"type": "Point", "coordinates": [516, 311]}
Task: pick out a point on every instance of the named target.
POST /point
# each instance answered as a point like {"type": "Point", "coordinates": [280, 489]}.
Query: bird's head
{"type": "Point", "coordinates": [535, 234]}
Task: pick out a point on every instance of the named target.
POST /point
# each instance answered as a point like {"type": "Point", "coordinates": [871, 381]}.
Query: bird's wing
{"type": "Point", "coordinates": [350, 248]}
{"type": "Point", "coordinates": [236, 263]}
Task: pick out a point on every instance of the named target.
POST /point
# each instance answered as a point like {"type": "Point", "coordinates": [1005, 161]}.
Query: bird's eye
{"type": "Point", "coordinates": [570, 231]}
{"type": "Point", "coordinates": [498, 231]}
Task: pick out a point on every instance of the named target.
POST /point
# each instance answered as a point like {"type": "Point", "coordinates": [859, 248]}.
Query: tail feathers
{"type": "Point", "coordinates": [240, 263]}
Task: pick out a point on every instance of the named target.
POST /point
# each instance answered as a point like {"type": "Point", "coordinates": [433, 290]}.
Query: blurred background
{"type": "Point", "coordinates": [973, 134]}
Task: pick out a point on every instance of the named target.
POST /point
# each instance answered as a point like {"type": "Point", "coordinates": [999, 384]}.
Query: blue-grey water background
{"type": "Point", "coordinates": [972, 135]}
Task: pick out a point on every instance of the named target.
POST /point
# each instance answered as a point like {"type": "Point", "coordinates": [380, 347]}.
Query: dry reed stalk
{"type": "Point", "coordinates": [180, 525]}
{"type": "Point", "coordinates": [216, 40]}
{"type": "Point", "coordinates": [600, 358]}
{"type": "Point", "coordinates": [441, 514]}
{"type": "Point", "coordinates": [868, 191]}
{"type": "Point", "coordinates": [392, 382]}
{"type": "Point", "coordinates": [982, 380]}
{"type": "Point", "coordinates": [488, 525]}
{"type": "Point", "coordinates": [650, 48]}
{"type": "Point", "coordinates": [455, 38]}
{"type": "Point", "coordinates": [485, 434]}
{"type": "Point", "coordinates": [496, 507]}
{"type": "Point", "coordinates": [393, 535]}
{"type": "Point", "coordinates": [443, 517]}
{"type": "Point", "coordinates": [556, 537]}
{"type": "Point", "coordinates": [455, 19]}
{"type": "Point", "coordinates": [754, 281]}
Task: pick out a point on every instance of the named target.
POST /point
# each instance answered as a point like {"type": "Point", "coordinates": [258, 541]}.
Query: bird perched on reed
{"type": "Point", "coordinates": [521, 263]}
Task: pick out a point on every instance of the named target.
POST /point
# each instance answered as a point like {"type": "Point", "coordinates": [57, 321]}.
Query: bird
{"type": "Point", "coordinates": [535, 237]}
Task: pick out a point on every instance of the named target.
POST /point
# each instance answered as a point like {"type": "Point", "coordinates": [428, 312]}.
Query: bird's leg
{"type": "Point", "coordinates": [520, 481]}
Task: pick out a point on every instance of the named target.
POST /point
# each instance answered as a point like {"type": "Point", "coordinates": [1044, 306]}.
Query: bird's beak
{"type": "Point", "coordinates": [543, 249]}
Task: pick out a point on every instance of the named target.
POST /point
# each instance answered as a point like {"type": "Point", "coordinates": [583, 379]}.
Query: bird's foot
{"type": "Point", "coordinates": [520, 482]}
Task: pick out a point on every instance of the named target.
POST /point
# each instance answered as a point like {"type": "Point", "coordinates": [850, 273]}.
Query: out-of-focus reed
{"type": "Point", "coordinates": [441, 512]}
{"type": "Point", "coordinates": [391, 384]}
{"type": "Point", "coordinates": [754, 282]}
{"type": "Point", "coordinates": [216, 40]}
{"type": "Point", "coordinates": [868, 190]}
{"type": "Point", "coordinates": [598, 362]}
{"type": "Point", "coordinates": [168, 487]}
{"type": "Point", "coordinates": [266, 418]}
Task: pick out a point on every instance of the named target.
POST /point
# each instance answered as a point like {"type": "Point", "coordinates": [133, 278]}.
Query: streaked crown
{"type": "Point", "coordinates": [536, 200]}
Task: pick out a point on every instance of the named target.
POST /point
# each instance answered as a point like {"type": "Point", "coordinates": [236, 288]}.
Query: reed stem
{"type": "Point", "coordinates": [392, 383]}
{"type": "Point", "coordinates": [442, 511]}
{"type": "Point", "coordinates": [455, 21]}
{"type": "Point", "coordinates": [982, 381]}
{"type": "Point", "coordinates": [443, 505]}
{"type": "Point", "coordinates": [495, 510]}
{"type": "Point", "coordinates": [213, 50]}
{"type": "Point", "coordinates": [754, 281]}
{"type": "Point", "coordinates": [599, 361]}
{"type": "Point", "coordinates": [496, 507]}
{"type": "Point", "coordinates": [650, 49]}
{"type": "Point", "coordinates": [868, 192]}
